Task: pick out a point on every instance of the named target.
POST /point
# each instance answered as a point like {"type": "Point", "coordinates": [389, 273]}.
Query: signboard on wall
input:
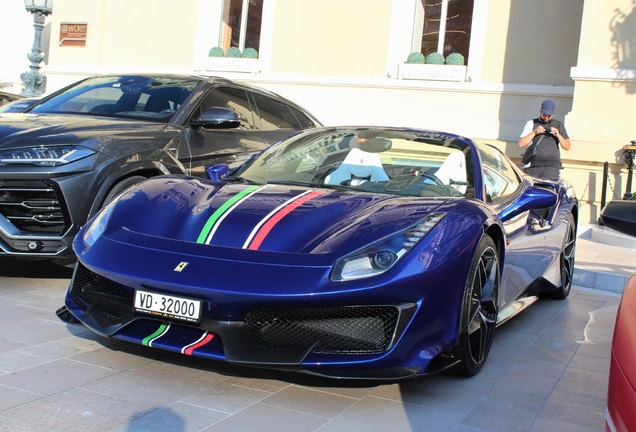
{"type": "Point", "coordinates": [73, 34]}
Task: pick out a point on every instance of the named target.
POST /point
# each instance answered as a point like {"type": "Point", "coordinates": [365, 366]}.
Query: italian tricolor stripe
{"type": "Point", "coordinates": [204, 339]}
{"type": "Point", "coordinates": [163, 329]}
{"type": "Point", "coordinates": [263, 228]}
{"type": "Point", "coordinates": [210, 226]}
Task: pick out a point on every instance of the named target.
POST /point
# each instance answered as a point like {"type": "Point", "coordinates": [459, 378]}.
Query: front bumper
{"type": "Point", "coordinates": [40, 217]}
{"type": "Point", "coordinates": [329, 341]}
{"type": "Point", "coordinates": [408, 318]}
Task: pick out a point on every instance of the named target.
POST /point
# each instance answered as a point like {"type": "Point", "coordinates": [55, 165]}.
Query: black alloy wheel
{"type": "Point", "coordinates": [567, 261]}
{"type": "Point", "coordinates": [479, 310]}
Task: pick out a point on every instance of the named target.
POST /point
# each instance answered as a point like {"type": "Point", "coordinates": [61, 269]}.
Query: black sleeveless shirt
{"type": "Point", "coordinates": [548, 154]}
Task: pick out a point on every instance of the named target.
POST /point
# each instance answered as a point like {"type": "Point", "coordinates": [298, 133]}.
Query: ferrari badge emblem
{"type": "Point", "coordinates": [181, 266]}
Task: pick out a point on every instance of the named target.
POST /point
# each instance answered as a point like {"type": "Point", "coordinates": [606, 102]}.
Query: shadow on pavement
{"type": "Point", "coordinates": [37, 269]}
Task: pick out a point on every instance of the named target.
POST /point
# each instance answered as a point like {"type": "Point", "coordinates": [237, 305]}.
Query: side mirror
{"type": "Point", "coordinates": [217, 172]}
{"type": "Point", "coordinates": [217, 118]}
{"type": "Point", "coordinates": [532, 198]}
{"type": "Point", "coordinates": [620, 216]}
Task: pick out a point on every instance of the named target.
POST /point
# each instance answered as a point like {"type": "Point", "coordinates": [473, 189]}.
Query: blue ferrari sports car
{"type": "Point", "coordinates": [346, 252]}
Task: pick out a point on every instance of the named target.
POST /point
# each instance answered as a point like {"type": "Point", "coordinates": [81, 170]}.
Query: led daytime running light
{"type": "Point", "coordinates": [420, 230]}
{"type": "Point", "coordinates": [44, 156]}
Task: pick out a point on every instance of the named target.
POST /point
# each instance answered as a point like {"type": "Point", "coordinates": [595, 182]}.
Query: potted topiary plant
{"type": "Point", "coordinates": [415, 57]}
{"type": "Point", "coordinates": [455, 59]}
{"type": "Point", "coordinates": [216, 52]}
{"type": "Point", "coordinates": [433, 67]}
{"type": "Point", "coordinates": [233, 52]}
{"type": "Point", "coordinates": [232, 60]}
{"type": "Point", "coordinates": [249, 53]}
{"type": "Point", "coordinates": [435, 58]}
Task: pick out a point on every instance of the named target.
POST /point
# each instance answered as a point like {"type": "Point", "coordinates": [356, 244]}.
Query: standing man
{"type": "Point", "coordinates": [547, 134]}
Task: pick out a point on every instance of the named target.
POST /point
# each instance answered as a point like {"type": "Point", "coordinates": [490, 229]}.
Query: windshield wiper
{"type": "Point", "coordinates": [312, 185]}
{"type": "Point", "coordinates": [292, 182]}
{"type": "Point", "coordinates": [239, 179]}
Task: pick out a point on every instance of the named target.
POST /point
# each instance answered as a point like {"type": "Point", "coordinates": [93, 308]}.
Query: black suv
{"type": "Point", "coordinates": [66, 156]}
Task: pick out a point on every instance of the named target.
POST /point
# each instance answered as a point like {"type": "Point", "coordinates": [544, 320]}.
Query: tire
{"type": "Point", "coordinates": [479, 310]}
{"type": "Point", "coordinates": [566, 261]}
{"type": "Point", "coordinates": [122, 186]}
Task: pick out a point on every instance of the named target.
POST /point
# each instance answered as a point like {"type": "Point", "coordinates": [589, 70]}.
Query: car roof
{"type": "Point", "coordinates": [9, 97]}
{"type": "Point", "coordinates": [212, 79]}
{"type": "Point", "coordinates": [18, 105]}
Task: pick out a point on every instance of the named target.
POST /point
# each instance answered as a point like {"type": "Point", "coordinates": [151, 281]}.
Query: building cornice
{"type": "Point", "coordinates": [585, 73]}
{"type": "Point", "coordinates": [403, 84]}
{"type": "Point", "coordinates": [522, 89]}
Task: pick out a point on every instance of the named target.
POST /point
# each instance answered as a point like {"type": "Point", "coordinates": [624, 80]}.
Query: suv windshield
{"type": "Point", "coordinates": [133, 96]}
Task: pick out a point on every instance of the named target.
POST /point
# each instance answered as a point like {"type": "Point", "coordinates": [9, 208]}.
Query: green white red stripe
{"type": "Point", "coordinates": [162, 330]}
{"type": "Point", "coordinates": [262, 229]}
{"type": "Point", "coordinates": [217, 217]}
{"type": "Point", "coordinates": [204, 339]}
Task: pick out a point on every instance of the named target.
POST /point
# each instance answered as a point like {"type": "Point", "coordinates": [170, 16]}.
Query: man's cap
{"type": "Point", "coordinates": [547, 107]}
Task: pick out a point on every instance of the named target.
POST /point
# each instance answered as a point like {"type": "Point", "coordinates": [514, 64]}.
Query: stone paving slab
{"type": "Point", "coordinates": [605, 259]}
{"type": "Point", "coordinates": [547, 371]}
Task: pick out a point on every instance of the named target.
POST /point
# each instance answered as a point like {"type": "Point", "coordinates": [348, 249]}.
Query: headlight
{"type": "Point", "coordinates": [99, 224]}
{"type": "Point", "coordinates": [379, 257]}
{"type": "Point", "coordinates": [44, 156]}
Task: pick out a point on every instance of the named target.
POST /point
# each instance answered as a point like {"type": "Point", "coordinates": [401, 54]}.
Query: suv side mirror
{"type": "Point", "coordinates": [217, 118]}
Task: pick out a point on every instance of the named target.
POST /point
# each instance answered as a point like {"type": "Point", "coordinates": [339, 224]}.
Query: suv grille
{"type": "Point", "coordinates": [32, 206]}
{"type": "Point", "coordinates": [344, 330]}
{"type": "Point", "coordinates": [101, 295]}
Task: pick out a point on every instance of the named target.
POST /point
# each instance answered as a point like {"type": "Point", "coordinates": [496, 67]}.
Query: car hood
{"type": "Point", "coordinates": [273, 218]}
{"type": "Point", "coordinates": [25, 129]}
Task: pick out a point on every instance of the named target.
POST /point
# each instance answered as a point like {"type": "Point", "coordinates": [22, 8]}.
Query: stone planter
{"type": "Point", "coordinates": [230, 64]}
{"type": "Point", "coordinates": [432, 72]}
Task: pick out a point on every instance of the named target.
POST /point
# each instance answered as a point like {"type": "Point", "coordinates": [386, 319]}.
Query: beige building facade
{"type": "Point", "coordinates": [345, 62]}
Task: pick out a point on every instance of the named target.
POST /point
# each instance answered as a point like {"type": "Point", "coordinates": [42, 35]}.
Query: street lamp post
{"type": "Point", "coordinates": [34, 81]}
{"type": "Point", "coordinates": [630, 151]}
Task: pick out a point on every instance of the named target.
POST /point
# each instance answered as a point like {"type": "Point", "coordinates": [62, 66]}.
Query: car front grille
{"type": "Point", "coordinates": [101, 295]}
{"type": "Point", "coordinates": [32, 206]}
{"type": "Point", "coordinates": [342, 330]}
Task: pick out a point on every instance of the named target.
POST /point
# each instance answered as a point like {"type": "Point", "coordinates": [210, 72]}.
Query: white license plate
{"type": "Point", "coordinates": [166, 306]}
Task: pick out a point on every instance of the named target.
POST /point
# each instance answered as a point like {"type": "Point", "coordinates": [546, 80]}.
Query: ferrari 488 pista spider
{"type": "Point", "coordinates": [351, 252]}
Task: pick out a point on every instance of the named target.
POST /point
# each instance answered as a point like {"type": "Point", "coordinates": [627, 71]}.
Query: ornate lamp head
{"type": "Point", "coordinates": [42, 6]}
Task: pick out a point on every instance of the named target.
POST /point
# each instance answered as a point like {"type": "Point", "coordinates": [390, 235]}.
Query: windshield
{"type": "Point", "coordinates": [133, 96]}
{"type": "Point", "coordinates": [372, 160]}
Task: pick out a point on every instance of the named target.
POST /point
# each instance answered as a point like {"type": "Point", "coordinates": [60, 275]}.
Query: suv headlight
{"type": "Point", "coordinates": [382, 255]}
{"type": "Point", "coordinates": [44, 156]}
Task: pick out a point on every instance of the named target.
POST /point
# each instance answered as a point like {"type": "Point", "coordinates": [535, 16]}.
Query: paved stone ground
{"type": "Point", "coordinates": [547, 371]}
{"type": "Point", "coordinates": [604, 259]}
